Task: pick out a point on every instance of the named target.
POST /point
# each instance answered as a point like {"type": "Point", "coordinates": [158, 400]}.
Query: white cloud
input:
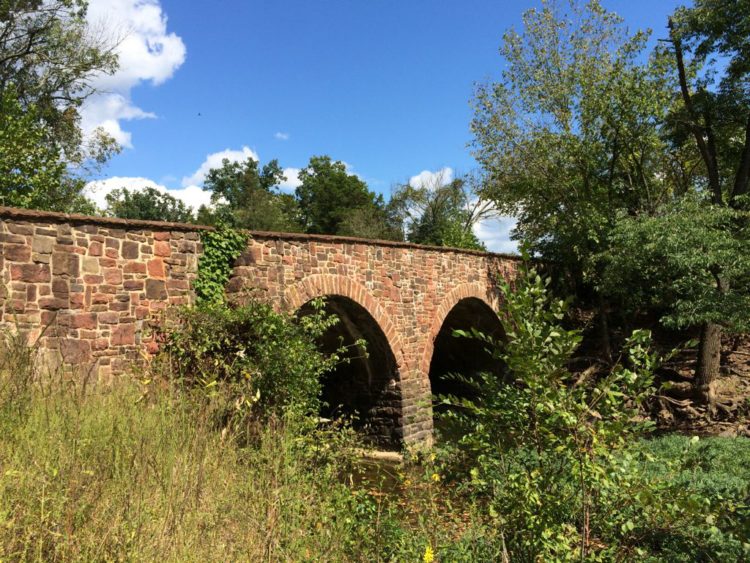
{"type": "Point", "coordinates": [495, 234]}
{"type": "Point", "coordinates": [146, 52]}
{"type": "Point", "coordinates": [292, 180]}
{"type": "Point", "coordinates": [214, 160]}
{"type": "Point", "coordinates": [281, 136]}
{"type": "Point", "coordinates": [193, 196]}
{"type": "Point", "coordinates": [428, 179]}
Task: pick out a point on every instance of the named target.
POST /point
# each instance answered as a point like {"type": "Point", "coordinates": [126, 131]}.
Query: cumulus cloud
{"type": "Point", "coordinates": [429, 179]}
{"type": "Point", "coordinates": [495, 234]}
{"type": "Point", "coordinates": [281, 136]}
{"type": "Point", "coordinates": [97, 191]}
{"type": "Point", "coordinates": [214, 160]}
{"type": "Point", "coordinates": [292, 180]}
{"type": "Point", "coordinates": [147, 52]}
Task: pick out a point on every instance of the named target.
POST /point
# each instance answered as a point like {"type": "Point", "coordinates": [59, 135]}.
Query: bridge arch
{"type": "Point", "coordinates": [468, 306]}
{"type": "Point", "coordinates": [475, 291]}
{"type": "Point", "coordinates": [368, 385]}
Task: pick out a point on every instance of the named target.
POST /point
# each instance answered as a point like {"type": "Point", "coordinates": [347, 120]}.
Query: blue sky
{"type": "Point", "coordinates": [382, 85]}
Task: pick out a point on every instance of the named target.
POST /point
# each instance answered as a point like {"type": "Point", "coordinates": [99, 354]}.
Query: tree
{"type": "Point", "coordinates": [148, 204]}
{"type": "Point", "coordinates": [443, 213]}
{"type": "Point", "coordinates": [49, 55]}
{"type": "Point", "coordinates": [334, 202]}
{"type": "Point", "coordinates": [243, 195]}
{"type": "Point", "coordinates": [48, 58]}
{"type": "Point", "coordinates": [569, 137]}
{"type": "Point", "coordinates": [709, 45]}
{"type": "Point", "coordinates": [33, 173]}
{"type": "Point", "coordinates": [690, 260]}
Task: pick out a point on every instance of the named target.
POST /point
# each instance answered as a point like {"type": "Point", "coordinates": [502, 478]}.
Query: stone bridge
{"type": "Point", "coordinates": [88, 288]}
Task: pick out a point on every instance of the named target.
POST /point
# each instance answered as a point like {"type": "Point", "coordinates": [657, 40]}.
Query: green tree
{"type": "Point", "coordinates": [691, 260]}
{"type": "Point", "coordinates": [33, 173]}
{"type": "Point", "coordinates": [243, 195]}
{"type": "Point", "coordinates": [708, 43]}
{"type": "Point", "coordinates": [569, 137]}
{"type": "Point", "coordinates": [147, 204]}
{"type": "Point", "coordinates": [49, 55]}
{"type": "Point", "coordinates": [334, 202]}
{"type": "Point", "coordinates": [48, 58]}
{"type": "Point", "coordinates": [442, 213]}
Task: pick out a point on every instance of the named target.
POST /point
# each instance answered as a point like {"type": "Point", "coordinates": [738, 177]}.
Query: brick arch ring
{"type": "Point", "coordinates": [320, 285]}
{"type": "Point", "coordinates": [476, 290]}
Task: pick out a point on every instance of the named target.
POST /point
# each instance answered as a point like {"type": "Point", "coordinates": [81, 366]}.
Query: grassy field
{"type": "Point", "coordinates": [142, 471]}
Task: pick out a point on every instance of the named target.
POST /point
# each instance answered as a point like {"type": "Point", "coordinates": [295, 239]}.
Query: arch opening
{"type": "Point", "coordinates": [465, 356]}
{"type": "Point", "coordinates": [365, 386]}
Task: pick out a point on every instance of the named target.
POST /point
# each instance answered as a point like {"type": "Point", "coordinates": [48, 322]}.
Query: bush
{"type": "Point", "coordinates": [552, 453]}
{"type": "Point", "coordinates": [260, 361]}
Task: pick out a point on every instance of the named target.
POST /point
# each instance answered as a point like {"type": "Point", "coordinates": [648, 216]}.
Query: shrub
{"type": "Point", "coordinates": [551, 452]}
{"type": "Point", "coordinates": [258, 361]}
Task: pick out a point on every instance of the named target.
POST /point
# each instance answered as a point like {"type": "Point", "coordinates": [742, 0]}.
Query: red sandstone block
{"type": "Point", "coordinates": [162, 248]}
{"type": "Point", "coordinates": [162, 236]}
{"type": "Point", "coordinates": [17, 253]}
{"type": "Point", "coordinates": [123, 335]}
{"type": "Point", "coordinates": [92, 279]}
{"type": "Point", "coordinates": [76, 301]}
{"type": "Point", "coordinates": [95, 248]}
{"type": "Point", "coordinates": [156, 268]}
{"type": "Point", "coordinates": [113, 276]}
{"type": "Point", "coordinates": [31, 273]}
{"type": "Point", "coordinates": [141, 313]}
{"type": "Point", "coordinates": [100, 344]}
{"type": "Point", "coordinates": [133, 285]}
{"type": "Point", "coordinates": [109, 318]}
{"type": "Point", "coordinates": [83, 320]}
{"type": "Point", "coordinates": [135, 268]}
{"type": "Point", "coordinates": [112, 253]}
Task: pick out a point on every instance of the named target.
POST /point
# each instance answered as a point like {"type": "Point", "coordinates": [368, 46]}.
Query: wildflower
{"type": "Point", "coordinates": [428, 556]}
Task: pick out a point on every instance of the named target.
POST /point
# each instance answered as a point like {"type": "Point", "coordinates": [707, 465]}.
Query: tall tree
{"type": "Point", "coordinates": [710, 46]}
{"type": "Point", "coordinates": [33, 173]}
{"type": "Point", "coordinates": [48, 59]}
{"type": "Point", "coordinates": [243, 195]}
{"type": "Point", "coordinates": [148, 204]}
{"type": "Point", "coordinates": [569, 137]}
{"type": "Point", "coordinates": [334, 202]}
{"type": "Point", "coordinates": [443, 212]}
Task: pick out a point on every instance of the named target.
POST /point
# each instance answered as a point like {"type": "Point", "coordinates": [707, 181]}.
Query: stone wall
{"type": "Point", "coordinates": [89, 286]}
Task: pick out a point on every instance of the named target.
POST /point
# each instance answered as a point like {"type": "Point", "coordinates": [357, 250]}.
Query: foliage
{"type": "Point", "coordinates": [49, 56]}
{"type": "Point", "coordinates": [442, 214]}
{"type": "Point", "coordinates": [334, 202]}
{"type": "Point", "coordinates": [550, 450]}
{"type": "Point", "coordinates": [708, 50]}
{"type": "Point", "coordinates": [148, 204]}
{"type": "Point", "coordinates": [264, 360]}
{"type": "Point", "coordinates": [690, 260]}
{"type": "Point", "coordinates": [221, 247]}
{"type": "Point", "coordinates": [243, 196]}
{"type": "Point", "coordinates": [33, 173]}
{"type": "Point", "coordinates": [569, 136]}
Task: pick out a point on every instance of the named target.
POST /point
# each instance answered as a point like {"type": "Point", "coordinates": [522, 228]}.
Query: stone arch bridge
{"type": "Point", "coordinates": [90, 287]}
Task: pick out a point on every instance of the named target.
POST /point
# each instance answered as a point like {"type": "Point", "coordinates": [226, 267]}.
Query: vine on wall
{"type": "Point", "coordinates": [221, 247]}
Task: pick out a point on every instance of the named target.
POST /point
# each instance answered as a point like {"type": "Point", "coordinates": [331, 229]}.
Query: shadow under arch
{"type": "Point", "coordinates": [366, 386]}
{"type": "Point", "coordinates": [459, 355]}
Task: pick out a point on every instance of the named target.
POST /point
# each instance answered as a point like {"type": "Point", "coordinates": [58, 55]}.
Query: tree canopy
{"type": "Point", "coordinates": [49, 56]}
{"type": "Point", "coordinates": [148, 204]}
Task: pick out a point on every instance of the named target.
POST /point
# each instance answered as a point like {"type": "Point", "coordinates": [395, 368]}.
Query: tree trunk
{"type": "Point", "coordinates": [709, 361]}
{"type": "Point", "coordinates": [606, 344]}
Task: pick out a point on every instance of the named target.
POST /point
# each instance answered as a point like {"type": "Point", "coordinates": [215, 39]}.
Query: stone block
{"type": "Point", "coordinates": [130, 250]}
{"type": "Point", "coordinates": [156, 289]}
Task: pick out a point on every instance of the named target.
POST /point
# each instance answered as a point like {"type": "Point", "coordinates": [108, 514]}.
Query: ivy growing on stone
{"type": "Point", "coordinates": [221, 247]}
